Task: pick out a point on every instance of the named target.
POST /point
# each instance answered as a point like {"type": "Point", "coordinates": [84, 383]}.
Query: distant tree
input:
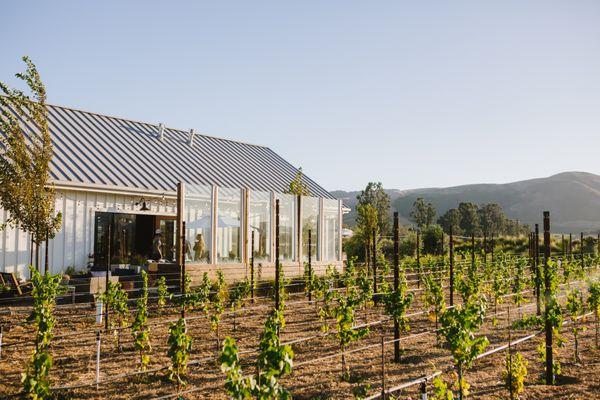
{"type": "Point", "coordinates": [422, 213]}
{"type": "Point", "coordinates": [380, 200]}
{"type": "Point", "coordinates": [367, 218]}
{"type": "Point", "coordinates": [514, 227]}
{"type": "Point", "coordinates": [469, 218]}
{"type": "Point", "coordinates": [450, 219]}
{"type": "Point", "coordinates": [408, 244]}
{"type": "Point", "coordinates": [491, 218]}
{"type": "Point", "coordinates": [297, 185]}
{"type": "Point", "coordinates": [432, 239]}
{"type": "Point", "coordinates": [25, 190]}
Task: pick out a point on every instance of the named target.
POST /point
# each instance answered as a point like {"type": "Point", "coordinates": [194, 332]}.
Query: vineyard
{"type": "Point", "coordinates": [465, 324]}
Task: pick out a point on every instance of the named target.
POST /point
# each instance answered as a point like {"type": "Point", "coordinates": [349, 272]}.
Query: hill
{"type": "Point", "coordinates": [573, 199]}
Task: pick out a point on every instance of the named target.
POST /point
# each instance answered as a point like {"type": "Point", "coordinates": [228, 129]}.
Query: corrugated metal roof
{"type": "Point", "coordinates": [96, 149]}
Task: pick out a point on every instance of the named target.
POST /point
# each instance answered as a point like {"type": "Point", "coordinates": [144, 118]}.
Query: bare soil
{"type": "Point", "coordinates": [75, 357]}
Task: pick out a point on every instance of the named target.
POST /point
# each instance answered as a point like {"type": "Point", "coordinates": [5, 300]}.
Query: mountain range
{"type": "Point", "coordinates": [573, 199]}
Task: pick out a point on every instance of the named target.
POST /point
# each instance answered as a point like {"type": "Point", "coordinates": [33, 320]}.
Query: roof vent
{"type": "Point", "coordinates": [161, 131]}
{"type": "Point", "coordinates": [192, 136]}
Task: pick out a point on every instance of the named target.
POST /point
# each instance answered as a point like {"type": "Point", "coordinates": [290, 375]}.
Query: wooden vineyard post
{"type": "Point", "coordinates": [277, 272]}
{"type": "Point", "coordinates": [418, 259]}
{"type": "Point", "coordinates": [442, 245]}
{"type": "Point", "coordinates": [537, 277]}
{"type": "Point", "coordinates": [581, 252]}
{"type": "Point", "coordinates": [473, 251]}
{"type": "Point", "coordinates": [493, 244]}
{"type": "Point", "coordinates": [451, 250]}
{"type": "Point", "coordinates": [374, 255]}
{"type": "Point", "coordinates": [598, 244]}
{"type": "Point", "coordinates": [310, 262]}
{"type": "Point", "coordinates": [106, 278]}
{"type": "Point", "coordinates": [423, 389]}
{"type": "Point", "coordinates": [97, 358]}
{"type": "Point", "coordinates": [536, 245]}
{"type": "Point", "coordinates": [510, 385]}
{"type": "Point", "coordinates": [570, 245]}
{"type": "Point", "coordinates": [396, 285]}
{"type": "Point", "coordinates": [368, 253]}
{"type": "Point", "coordinates": [547, 295]}
{"type": "Point", "coordinates": [182, 252]}
{"type": "Point", "coordinates": [484, 248]}
{"type": "Point", "coordinates": [252, 267]}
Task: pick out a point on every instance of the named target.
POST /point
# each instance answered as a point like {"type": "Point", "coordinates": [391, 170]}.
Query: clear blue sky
{"type": "Point", "coordinates": [412, 94]}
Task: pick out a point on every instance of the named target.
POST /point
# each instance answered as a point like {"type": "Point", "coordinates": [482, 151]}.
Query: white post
{"type": "Point", "coordinates": [97, 358]}
{"type": "Point", "coordinates": [99, 313]}
{"type": "Point", "coordinates": [0, 343]}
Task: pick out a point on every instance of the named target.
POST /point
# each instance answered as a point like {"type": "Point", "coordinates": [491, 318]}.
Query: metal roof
{"type": "Point", "coordinates": [96, 149]}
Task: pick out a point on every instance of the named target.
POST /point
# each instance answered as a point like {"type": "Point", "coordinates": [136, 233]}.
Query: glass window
{"type": "Point", "coordinates": [331, 231]}
{"type": "Point", "coordinates": [287, 226]}
{"type": "Point", "coordinates": [259, 222]}
{"type": "Point", "coordinates": [122, 238]}
{"type": "Point", "coordinates": [310, 221]}
{"type": "Point", "coordinates": [198, 217]}
{"type": "Point", "coordinates": [229, 231]}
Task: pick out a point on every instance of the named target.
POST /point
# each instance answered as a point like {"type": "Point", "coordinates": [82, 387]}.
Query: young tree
{"type": "Point", "coordinates": [180, 344]}
{"type": "Point", "coordinates": [115, 299]}
{"type": "Point", "coordinates": [459, 326]}
{"type": "Point", "coordinates": [35, 380]}
{"type": "Point", "coordinates": [500, 284]}
{"type": "Point", "coordinates": [574, 307]}
{"type": "Point", "coordinates": [237, 295]}
{"type": "Point", "coordinates": [519, 284]}
{"type": "Point", "coordinates": [434, 298]}
{"type": "Point", "coordinates": [297, 185]}
{"type": "Point", "coordinates": [378, 198]}
{"type": "Point", "coordinates": [515, 373]}
{"type": "Point", "coordinates": [397, 302]}
{"type": "Point", "coordinates": [162, 292]}
{"type": "Point", "coordinates": [367, 222]}
{"type": "Point", "coordinates": [139, 328]}
{"type": "Point", "coordinates": [25, 190]}
{"type": "Point", "coordinates": [594, 303]}
{"type": "Point", "coordinates": [274, 362]}
{"type": "Point", "coordinates": [345, 315]}
{"type": "Point", "coordinates": [218, 299]}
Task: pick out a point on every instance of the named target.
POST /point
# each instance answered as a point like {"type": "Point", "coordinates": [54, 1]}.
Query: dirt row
{"type": "Point", "coordinates": [75, 363]}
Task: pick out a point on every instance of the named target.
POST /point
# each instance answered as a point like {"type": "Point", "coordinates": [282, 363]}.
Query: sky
{"type": "Point", "coordinates": [411, 94]}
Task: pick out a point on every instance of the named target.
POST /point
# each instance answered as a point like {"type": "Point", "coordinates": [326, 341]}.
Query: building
{"type": "Point", "coordinates": [116, 180]}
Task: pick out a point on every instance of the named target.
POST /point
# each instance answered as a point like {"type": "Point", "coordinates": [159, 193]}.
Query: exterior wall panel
{"type": "Point", "coordinates": [75, 239]}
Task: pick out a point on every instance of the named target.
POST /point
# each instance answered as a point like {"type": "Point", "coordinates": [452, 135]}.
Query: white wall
{"type": "Point", "coordinates": [74, 241]}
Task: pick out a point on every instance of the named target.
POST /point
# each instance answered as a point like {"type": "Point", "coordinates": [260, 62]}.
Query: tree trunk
{"type": "Point", "coordinates": [46, 266]}
{"type": "Point", "coordinates": [37, 256]}
{"type": "Point", "coordinates": [344, 366]}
